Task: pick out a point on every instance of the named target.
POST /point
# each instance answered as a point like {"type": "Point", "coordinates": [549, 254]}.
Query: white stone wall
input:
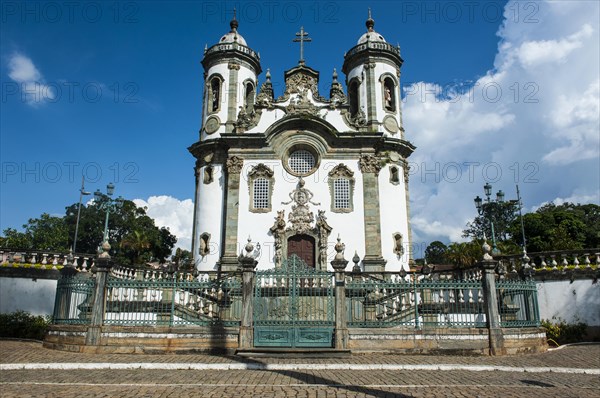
{"type": "Point", "coordinates": [35, 296]}
{"type": "Point", "coordinates": [350, 226]}
{"type": "Point", "coordinates": [209, 217]}
{"type": "Point", "coordinates": [392, 202]}
{"type": "Point", "coordinates": [577, 301]}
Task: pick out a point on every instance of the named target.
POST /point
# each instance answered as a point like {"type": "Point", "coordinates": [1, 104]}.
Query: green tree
{"type": "Point", "coordinates": [464, 254]}
{"type": "Point", "coordinates": [435, 253]}
{"type": "Point", "coordinates": [503, 215]}
{"type": "Point", "coordinates": [133, 236]}
{"type": "Point", "coordinates": [184, 259]}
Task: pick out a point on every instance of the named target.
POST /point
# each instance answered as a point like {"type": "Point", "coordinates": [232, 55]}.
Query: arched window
{"type": "Point", "coordinates": [341, 186]}
{"type": "Point", "coordinates": [394, 175]}
{"type": "Point", "coordinates": [389, 94]}
{"type": "Point", "coordinates": [214, 94]}
{"type": "Point", "coordinates": [260, 182]}
{"type": "Point", "coordinates": [249, 98]}
{"type": "Point", "coordinates": [353, 97]}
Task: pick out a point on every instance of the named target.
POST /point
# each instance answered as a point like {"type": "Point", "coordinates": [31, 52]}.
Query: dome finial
{"type": "Point", "coordinates": [370, 22]}
{"type": "Point", "coordinates": [234, 23]}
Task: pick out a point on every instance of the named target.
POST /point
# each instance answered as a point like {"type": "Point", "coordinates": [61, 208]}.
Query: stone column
{"type": "Point", "coordinates": [248, 265]}
{"type": "Point", "coordinates": [373, 260]}
{"type": "Point", "coordinates": [195, 229]}
{"type": "Point", "coordinates": [103, 267]}
{"type": "Point", "coordinates": [229, 260]}
{"type": "Point", "coordinates": [232, 94]}
{"type": "Point", "coordinates": [371, 86]}
{"type": "Point", "coordinates": [496, 337]}
{"type": "Point", "coordinates": [339, 264]}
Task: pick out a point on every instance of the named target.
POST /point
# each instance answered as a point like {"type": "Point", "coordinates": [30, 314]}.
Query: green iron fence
{"type": "Point", "coordinates": [293, 306]}
{"type": "Point", "coordinates": [517, 303]}
{"type": "Point", "coordinates": [74, 299]}
{"type": "Point", "coordinates": [173, 300]}
{"type": "Point", "coordinates": [423, 302]}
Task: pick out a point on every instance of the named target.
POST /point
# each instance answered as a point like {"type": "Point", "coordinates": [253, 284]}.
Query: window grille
{"type": "Point", "coordinates": [261, 193]}
{"type": "Point", "coordinates": [341, 193]}
{"type": "Point", "coordinates": [301, 161]}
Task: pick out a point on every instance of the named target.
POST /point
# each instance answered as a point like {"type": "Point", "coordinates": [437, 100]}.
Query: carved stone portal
{"type": "Point", "coordinates": [300, 221]}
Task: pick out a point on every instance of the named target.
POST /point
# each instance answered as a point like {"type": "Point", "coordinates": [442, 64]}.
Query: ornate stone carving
{"type": "Point", "coordinates": [234, 165]}
{"type": "Point", "coordinates": [301, 217]}
{"type": "Point", "coordinates": [260, 170]}
{"type": "Point", "coordinates": [324, 230]}
{"type": "Point", "coordinates": [204, 244]}
{"type": "Point", "coordinates": [369, 164]}
{"type": "Point", "coordinates": [341, 170]}
{"type": "Point", "coordinates": [301, 81]}
{"type": "Point", "coordinates": [247, 121]}
{"type": "Point", "coordinates": [358, 120]}
{"type": "Point", "coordinates": [278, 232]}
{"type": "Point", "coordinates": [369, 65]}
{"type": "Point", "coordinates": [233, 65]}
{"type": "Point", "coordinates": [398, 244]}
{"type": "Point", "coordinates": [301, 104]}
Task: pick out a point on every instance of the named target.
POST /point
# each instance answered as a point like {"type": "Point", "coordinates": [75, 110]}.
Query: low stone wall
{"type": "Point", "coordinates": [144, 340]}
{"type": "Point", "coordinates": [469, 341]}
{"type": "Point", "coordinates": [181, 340]}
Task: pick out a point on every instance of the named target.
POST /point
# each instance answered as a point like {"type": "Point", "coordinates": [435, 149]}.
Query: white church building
{"type": "Point", "coordinates": [293, 173]}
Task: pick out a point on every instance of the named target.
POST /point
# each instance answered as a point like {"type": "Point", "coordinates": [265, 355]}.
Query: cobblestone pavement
{"type": "Point", "coordinates": [302, 382]}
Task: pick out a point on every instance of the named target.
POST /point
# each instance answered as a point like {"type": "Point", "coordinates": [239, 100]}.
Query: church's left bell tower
{"type": "Point", "coordinates": [231, 69]}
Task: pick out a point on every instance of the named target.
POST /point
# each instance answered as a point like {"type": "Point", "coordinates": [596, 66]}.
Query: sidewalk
{"type": "Point", "coordinates": [28, 369]}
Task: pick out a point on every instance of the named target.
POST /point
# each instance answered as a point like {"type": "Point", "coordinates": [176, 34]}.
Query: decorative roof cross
{"type": "Point", "coordinates": [302, 37]}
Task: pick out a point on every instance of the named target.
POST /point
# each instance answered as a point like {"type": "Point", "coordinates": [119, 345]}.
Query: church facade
{"type": "Point", "coordinates": [294, 172]}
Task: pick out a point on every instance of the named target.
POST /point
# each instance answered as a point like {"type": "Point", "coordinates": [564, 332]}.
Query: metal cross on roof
{"type": "Point", "coordinates": [302, 37]}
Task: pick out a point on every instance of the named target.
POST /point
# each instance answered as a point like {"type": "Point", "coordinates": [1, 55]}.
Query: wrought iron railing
{"type": "Point", "coordinates": [173, 300]}
{"type": "Point", "coordinates": [425, 302]}
{"type": "Point", "coordinates": [74, 299]}
{"type": "Point", "coordinates": [517, 303]}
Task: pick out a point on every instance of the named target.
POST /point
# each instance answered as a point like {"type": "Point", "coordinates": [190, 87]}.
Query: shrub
{"type": "Point", "coordinates": [23, 325]}
{"type": "Point", "coordinates": [561, 332]}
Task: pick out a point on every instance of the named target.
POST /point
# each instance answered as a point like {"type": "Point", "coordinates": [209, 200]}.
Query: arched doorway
{"type": "Point", "coordinates": [302, 246]}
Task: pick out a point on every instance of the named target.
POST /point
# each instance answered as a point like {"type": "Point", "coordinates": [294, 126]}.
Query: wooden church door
{"type": "Point", "coordinates": [302, 246]}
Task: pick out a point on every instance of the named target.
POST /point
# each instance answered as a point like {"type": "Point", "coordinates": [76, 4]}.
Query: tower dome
{"type": "Point", "coordinates": [370, 35]}
{"type": "Point", "coordinates": [233, 36]}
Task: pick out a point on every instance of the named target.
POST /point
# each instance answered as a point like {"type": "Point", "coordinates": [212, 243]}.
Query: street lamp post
{"type": "Point", "coordinates": [82, 192]}
{"type": "Point", "coordinates": [108, 203]}
{"type": "Point", "coordinates": [487, 209]}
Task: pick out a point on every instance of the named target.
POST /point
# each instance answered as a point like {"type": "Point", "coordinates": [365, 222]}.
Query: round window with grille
{"type": "Point", "coordinates": [302, 162]}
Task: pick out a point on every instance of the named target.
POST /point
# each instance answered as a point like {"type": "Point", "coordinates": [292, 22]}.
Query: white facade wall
{"type": "Point", "coordinates": [380, 69]}
{"type": "Point", "coordinates": [209, 217]}
{"type": "Point", "coordinates": [577, 301]}
{"type": "Point", "coordinates": [350, 226]}
{"type": "Point", "coordinates": [35, 296]}
{"type": "Point", "coordinates": [392, 202]}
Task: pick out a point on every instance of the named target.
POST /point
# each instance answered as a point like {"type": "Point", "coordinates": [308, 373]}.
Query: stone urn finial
{"type": "Point", "coordinates": [486, 250]}
{"type": "Point", "coordinates": [105, 249]}
{"type": "Point", "coordinates": [249, 247]}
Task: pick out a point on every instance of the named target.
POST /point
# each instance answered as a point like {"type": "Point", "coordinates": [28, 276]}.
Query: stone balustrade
{"type": "Point", "coordinates": [44, 259]}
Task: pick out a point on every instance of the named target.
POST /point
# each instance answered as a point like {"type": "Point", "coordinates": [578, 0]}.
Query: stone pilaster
{"type": "Point", "coordinates": [339, 264]}
{"type": "Point", "coordinates": [371, 84]}
{"type": "Point", "coordinates": [195, 229]}
{"type": "Point", "coordinates": [409, 248]}
{"type": "Point", "coordinates": [229, 261]}
{"type": "Point", "coordinates": [103, 266]}
{"type": "Point", "coordinates": [373, 260]}
{"type": "Point", "coordinates": [232, 95]}
{"type": "Point", "coordinates": [496, 337]}
{"type": "Point", "coordinates": [248, 265]}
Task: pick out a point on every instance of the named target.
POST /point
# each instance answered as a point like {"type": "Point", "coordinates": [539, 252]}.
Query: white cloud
{"type": "Point", "coordinates": [34, 91]}
{"type": "Point", "coordinates": [170, 212]}
{"type": "Point", "coordinates": [534, 120]}
{"type": "Point", "coordinates": [533, 53]}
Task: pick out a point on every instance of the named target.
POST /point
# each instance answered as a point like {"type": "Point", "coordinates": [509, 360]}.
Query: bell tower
{"type": "Point", "coordinates": [231, 69]}
{"type": "Point", "coordinates": [372, 69]}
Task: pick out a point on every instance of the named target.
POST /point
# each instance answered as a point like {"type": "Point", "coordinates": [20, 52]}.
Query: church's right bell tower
{"type": "Point", "coordinates": [372, 69]}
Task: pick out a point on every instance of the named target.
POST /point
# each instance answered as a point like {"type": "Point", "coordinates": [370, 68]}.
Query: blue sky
{"type": "Point", "coordinates": [113, 90]}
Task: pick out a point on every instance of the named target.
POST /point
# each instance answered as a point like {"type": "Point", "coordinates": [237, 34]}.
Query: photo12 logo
{"type": "Point", "coordinates": [71, 12]}
{"type": "Point", "coordinates": [54, 172]}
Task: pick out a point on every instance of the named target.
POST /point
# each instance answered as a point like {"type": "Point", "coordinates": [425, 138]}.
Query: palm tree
{"type": "Point", "coordinates": [136, 243]}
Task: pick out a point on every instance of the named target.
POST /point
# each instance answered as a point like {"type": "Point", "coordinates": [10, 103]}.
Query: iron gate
{"type": "Point", "coordinates": [293, 306]}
